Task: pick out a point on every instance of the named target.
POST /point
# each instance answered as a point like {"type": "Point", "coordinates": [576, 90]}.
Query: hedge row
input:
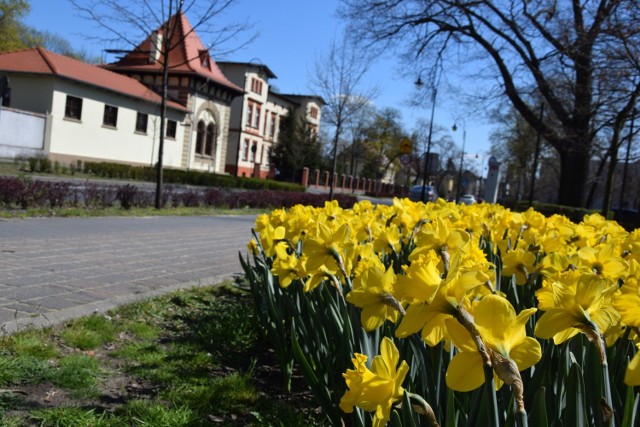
{"type": "Point", "coordinates": [548, 209]}
{"type": "Point", "coordinates": [174, 176]}
{"type": "Point", "coordinates": [25, 193]}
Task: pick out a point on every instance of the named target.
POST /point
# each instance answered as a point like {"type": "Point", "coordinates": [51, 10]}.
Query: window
{"type": "Point", "coordinates": [254, 148]}
{"type": "Point", "coordinates": [245, 150]}
{"type": "Point", "coordinates": [211, 134]}
{"type": "Point", "coordinates": [256, 122]}
{"type": "Point", "coordinates": [249, 115]}
{"type": "Point", "coordinates": [141, 122]}
{"type": "Point", "coordinates": [256, 85]}
{"type": "Point", "coordinates": [314, 112]}
{"type": "Point", "coordinates": [172, 127]}
{"type": "Point", "coordinates": [204, 59]}
{"type": "Point", "coordinates": [73, 108]}
{"type": "Point", "coordinates": [200, 137]}
{"type": "Point", "coordinates": [272, 128]}
{"type": "Point", "coordinates": [110, 117]}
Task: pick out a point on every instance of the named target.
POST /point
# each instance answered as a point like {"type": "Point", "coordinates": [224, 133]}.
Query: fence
{"type": "Point", "coordinates": [319, 181]}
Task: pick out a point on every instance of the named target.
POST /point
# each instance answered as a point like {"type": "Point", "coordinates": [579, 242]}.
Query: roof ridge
{"type": "Point", "coordinates": [45, 57]}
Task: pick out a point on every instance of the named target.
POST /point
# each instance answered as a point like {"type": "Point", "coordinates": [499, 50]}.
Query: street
{"type": "Point", "coordinates": [52, 269]}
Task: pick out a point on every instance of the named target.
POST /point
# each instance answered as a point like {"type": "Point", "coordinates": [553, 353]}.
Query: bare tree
{"type": "Point", "coordinates": [339, 78]}
{"type": "Point", "coordinates": [560, 52]}
{"type": "Point", "coordinates": [127, 23]}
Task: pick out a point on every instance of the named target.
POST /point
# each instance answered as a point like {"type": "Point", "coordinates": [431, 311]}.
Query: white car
{"type": "Point", "coordinates": [467, 199]}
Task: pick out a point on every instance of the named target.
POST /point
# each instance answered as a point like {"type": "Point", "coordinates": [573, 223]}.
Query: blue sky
{"type": "Point", "coordinates": [293, 34]}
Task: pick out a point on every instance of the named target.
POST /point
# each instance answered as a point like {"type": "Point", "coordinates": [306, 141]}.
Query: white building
{"type": "Point", "coordinates": [92, 114]}
{"type": "Point", "coordinates": [255, 118]}
{"type": "Point", "coordinates": [101, 114]}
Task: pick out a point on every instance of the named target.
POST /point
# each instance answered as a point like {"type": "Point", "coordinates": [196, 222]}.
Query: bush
{"type": "Point", "coordinates": [26, 193]}
{"type": "Point", "coordinates": [548, 209]}
{"type": "Point", "coordinates": [174, 176]}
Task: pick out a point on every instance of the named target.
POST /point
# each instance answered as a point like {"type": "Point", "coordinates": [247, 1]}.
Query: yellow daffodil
{"type": "Point", "coordinates": [503, 333]}
{"type": "Point", "coordinates": [328, 248]}
{"type": "Point", "coordinates": [269, 237]}
{"type": "Point", "coordinates": [519, 263]}
{"type": "Point", "coordinates": [377, 389]}
{"type": "Point", "coordinates": [437, 235]}
{"type": "Point", "coordinates": [373, 292]}
{"type": "Point", "coordinates": [602, 261]}
{"type": "Point", "coordinates": [287, 266]}
{"type": "Point", "coordinates": [574, 302]}
{"type": "Point", "coordinates": [430, 314]}
{"type": "Point", "coordinates": [632, 374]}
{"type": "Point", "coordinates": [627, 302]}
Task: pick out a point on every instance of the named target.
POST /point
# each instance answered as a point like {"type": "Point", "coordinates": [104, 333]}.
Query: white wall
{"type": "Point", "coordinates": [88, 138]}
{"type": "Point", "coordinates": [21, 133]}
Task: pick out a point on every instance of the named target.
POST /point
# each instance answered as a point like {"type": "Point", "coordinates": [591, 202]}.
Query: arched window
{"type": "Point", "coordinates": [200, 137]}
{"type": "Point", "coordinates": [211, 134]}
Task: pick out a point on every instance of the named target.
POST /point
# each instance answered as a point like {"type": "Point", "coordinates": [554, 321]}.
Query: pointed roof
{"type": "Point", "coordinates": [187, 54]}
{"type": "Point", "coordinates": [40, 61]}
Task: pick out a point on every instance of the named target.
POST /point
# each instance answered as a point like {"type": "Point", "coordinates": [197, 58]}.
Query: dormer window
{"type": "Point", "coordinates": [205, 60]}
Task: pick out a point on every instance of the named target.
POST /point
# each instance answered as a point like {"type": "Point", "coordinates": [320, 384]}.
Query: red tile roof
{"type": "Point", "coordinates": [188, 56]}
{"type": "Point", "coordinates": [41, 61]}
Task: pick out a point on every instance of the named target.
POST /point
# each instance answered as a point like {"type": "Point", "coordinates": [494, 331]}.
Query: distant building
{"type": "Point", "coordinates": [90, 114]}
{"type": "Point", "coordinates": [196, 82]}
{"type": "Point", "coordinates": [256, 118]}
{"type": "Point", "coordinates": [222, 118]}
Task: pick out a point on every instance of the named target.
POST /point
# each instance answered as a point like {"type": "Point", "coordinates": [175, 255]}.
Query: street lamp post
{"type": "Point", "coordinates": [464, 141]}
{"type": "Point", "coordinates": [626, 161]}
{"type": "Point", "coordinates": [427, 156]}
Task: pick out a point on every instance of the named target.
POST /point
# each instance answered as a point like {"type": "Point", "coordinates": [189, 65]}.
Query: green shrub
{"type": "Point", "coordinates": [548, 209]}
{"type": "Point", "coordinates": [190, 177]}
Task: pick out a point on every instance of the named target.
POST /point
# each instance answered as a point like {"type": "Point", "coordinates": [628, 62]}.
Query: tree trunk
{"type": "Point", "coordinates": [574, 171]}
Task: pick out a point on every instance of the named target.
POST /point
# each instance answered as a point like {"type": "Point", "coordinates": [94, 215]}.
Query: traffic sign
{"type": "Point", "coordinates": [405, 146]}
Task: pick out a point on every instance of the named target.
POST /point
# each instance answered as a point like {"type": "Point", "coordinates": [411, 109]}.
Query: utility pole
{"type": "Point", "coordinates": [535, 160]}
{"type": "Point", "coordinates": [626, 160]}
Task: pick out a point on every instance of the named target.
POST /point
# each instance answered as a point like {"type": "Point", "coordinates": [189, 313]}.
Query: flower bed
{"type": "Point", "coordinates": [471, 315]}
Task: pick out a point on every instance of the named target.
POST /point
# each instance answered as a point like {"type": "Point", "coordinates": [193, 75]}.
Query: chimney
{"type": "Point", "coordinates": [156, 47]}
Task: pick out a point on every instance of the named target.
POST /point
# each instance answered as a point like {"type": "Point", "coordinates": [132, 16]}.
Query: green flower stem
{"type": "Point", "coordinates": [521, 418]}
{"type": "Point", "coordinates": [607, 413]}
{"type": "Point", "coordinates": [466, 320]}
{"type": "Point", "coordinates": [492, 402]}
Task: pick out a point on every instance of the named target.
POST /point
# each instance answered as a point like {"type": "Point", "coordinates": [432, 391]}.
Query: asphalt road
{"type": "Point", "coordinates": [53, 269]}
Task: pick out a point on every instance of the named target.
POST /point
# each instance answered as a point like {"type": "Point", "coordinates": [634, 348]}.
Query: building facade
{"type": "Point", "coordinates": [221, 117]}
{"type": "Point", "coordinates": [196, 82]}
{"type": "Point", "coordinates": [91, 114]}
{"type": "Point", "coordinates": [256, 118]}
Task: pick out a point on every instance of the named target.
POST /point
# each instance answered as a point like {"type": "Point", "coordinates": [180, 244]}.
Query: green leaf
{"type": "Point", "coordinates": [630, 408]}
{"type": "Point", "coordinates": [575, 412]}
{"type": "Point", "coordinates": [538, 411]}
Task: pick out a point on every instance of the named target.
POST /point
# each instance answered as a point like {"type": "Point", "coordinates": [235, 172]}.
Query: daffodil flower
{"type": "Point", "coordinates": [519, 263]}
{"type": "Point", "coordinates": [327, 248]}
{"type": "Point", "coordinates": [373, 292]}
{"type": "Point", "coordinates": [576, 303]}
{"type": "Point", "coordinates": [504, 335]}
{"type": "Point", "coordinates": [603, 261]}
{"type": "Point", "coordinates": [378, 388]}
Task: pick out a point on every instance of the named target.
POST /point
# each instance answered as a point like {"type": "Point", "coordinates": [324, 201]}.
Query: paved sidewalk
{"type": "Point", "coordinates": [53, 269]}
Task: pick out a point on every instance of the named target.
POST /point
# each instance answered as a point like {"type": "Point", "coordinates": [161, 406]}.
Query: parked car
{"type": "Point", "coordinates": [467, 199]}
{"type": "Point", "coordinates": [430, 193]}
